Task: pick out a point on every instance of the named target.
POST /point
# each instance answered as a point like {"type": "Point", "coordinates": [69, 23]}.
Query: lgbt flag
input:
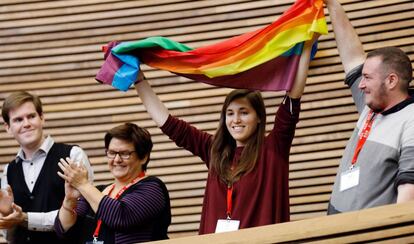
{"type": "Point", "coordinates": [265, 59]}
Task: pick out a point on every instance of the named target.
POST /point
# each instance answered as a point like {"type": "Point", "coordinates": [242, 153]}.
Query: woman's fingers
{"type": "Point", "coordinates": [72, 172]}
{"type": "Point", "coordinates": [62, 176]}
{"type": "Point", "coordinates": [71, 163]}
{"type": "Point", "coordinates": [67, 165]}
{"type": "Point", "coordinates": [63, 164]}
{"type": "Point", "coordinates": [66, 169]}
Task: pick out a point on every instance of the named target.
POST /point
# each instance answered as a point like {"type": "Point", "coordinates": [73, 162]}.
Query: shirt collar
{"type": "Point", "coordinates": [44, 148]}
{"type": "Point", "coordinates": [400, 105]}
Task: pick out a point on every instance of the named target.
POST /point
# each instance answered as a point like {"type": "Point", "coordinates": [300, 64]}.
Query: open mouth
{"type": "Point", "coordinates": [237, 128]}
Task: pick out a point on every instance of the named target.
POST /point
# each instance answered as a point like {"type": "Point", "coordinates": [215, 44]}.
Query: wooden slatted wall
{"type": "Point", "coordinates": [52, 48]}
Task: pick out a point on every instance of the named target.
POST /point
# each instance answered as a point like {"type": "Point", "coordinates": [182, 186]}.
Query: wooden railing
{"type": "Point", "coordinates": [386, 224]}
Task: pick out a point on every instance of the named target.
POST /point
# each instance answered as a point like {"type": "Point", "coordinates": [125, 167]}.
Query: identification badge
{"type": "Point", "coordinates": [349, 179]}
{"type": "Point", "coordinates": [226, 225]}
{"type": "Point", "coordinates": [94, 241]}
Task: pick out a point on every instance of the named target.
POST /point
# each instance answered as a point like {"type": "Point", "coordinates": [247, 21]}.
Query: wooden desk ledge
{"type": "Point", "coordinates": [364, 225]}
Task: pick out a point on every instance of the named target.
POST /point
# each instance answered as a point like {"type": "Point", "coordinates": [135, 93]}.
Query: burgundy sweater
{"type": "Point", "coordinates": [260, 197]}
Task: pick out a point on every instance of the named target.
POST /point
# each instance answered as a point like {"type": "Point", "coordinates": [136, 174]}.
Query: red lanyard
{"type": "Point", "coordinates": [98, 224]}
{"type": "Point", "coordinates": [364, 135]}
{"type": "Point", "coordinates": [229, 200]}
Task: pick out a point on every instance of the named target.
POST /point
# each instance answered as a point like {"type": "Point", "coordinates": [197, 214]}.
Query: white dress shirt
{"type": "Point", "coordinates": [44, 221]}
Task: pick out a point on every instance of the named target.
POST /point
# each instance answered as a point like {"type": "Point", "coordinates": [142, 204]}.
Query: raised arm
{"type": "Point", "coordinates": [152, 103]}
{"type": "Point", "coordinates": [302, 72]}
{"type": "Point", "coordinates": [67, 215]}
{"type": "Point", "coordinates": [350, 47]}
{"type": "Point", "coordinates": [77, 176]}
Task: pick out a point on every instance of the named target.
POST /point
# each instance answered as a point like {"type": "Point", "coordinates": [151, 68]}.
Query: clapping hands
{"type": "Point", "coordinates": [6, 201]}
{"type": "Point", "coordinates": [73, 173]}
{"type": "Point", "coordinates": [10, 213]}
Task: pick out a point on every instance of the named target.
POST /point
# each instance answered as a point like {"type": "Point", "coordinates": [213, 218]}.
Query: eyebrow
{"type": "Point", "coordinates": [239, 108]}
{"type": "Point", "coordinates": [18, 117]}
{"type": "Point", "coordinates": [243, 108]}
{"type": "Point", "coordinates": [126, 150]}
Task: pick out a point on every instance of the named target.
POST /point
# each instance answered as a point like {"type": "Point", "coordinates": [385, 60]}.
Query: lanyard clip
{"type": "Point", "coordinates": [95, 239]}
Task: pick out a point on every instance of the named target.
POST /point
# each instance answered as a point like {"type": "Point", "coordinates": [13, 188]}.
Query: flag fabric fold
{"type": "Point", "coordinates": [265, 59]}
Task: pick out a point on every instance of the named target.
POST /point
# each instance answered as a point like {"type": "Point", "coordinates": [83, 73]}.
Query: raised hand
{"type": "Point", "coordinates": [71, 192]}
{"type": "Point", "coordinates": [73, 173]}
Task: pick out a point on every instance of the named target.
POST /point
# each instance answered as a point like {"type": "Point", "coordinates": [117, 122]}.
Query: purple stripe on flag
{"type": "Point", "coordinates": [274, 75]}
{"type": "Point", "coordinates": [111, 65]}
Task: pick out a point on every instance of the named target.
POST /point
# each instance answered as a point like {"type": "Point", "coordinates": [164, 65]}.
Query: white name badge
{"type": "Point", "coordinates": [226, 225]}
{"type": "Point", "coordinates": [349, 179]}
{"type": "Point", "coordinates": [94, 241]}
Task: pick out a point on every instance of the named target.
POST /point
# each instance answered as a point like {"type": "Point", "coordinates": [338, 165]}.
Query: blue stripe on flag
{"type": "Point", "coordinates": [127, 74]}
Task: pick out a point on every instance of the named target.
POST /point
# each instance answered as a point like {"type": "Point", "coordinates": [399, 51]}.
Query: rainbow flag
{"type": "Point", "coordinates": [265, 59]}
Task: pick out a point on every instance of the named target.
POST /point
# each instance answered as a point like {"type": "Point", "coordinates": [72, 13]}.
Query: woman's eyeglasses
{"type": "Point", "coordinates": [124, 154]}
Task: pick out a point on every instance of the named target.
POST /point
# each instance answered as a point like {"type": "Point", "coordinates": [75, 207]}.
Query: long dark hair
{"type": "Point", "coordinates": [224, 145]}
